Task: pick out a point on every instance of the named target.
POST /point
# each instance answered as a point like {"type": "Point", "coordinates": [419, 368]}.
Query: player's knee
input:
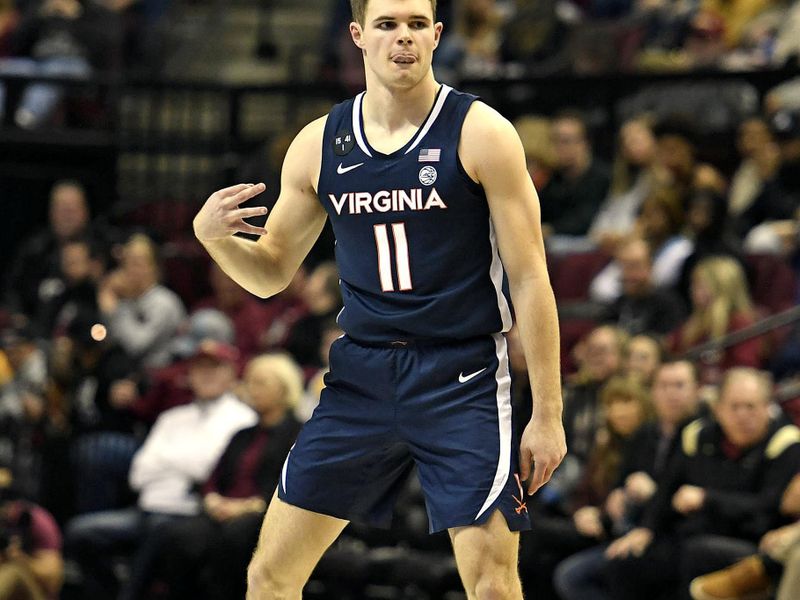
{"type": "Point", "coordinates": [500, 583]}
{"type": "Point", "coordinates": [265, 581]}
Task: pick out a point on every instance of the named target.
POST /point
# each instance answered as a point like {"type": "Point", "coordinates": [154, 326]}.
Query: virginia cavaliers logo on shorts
{"type": "Point", "coordinates": [520, 504]}
{"type": "Point", "coordinates": [428, 175]}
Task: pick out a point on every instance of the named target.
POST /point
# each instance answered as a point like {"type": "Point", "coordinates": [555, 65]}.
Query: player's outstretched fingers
{"type": "Point", "coordinates": [525, 459]}
{"type": "Point", "coordinates": [537, 480]}
{"type": "Point", "coordinates": [246, 213]}
{"type": "Point", "coordinates": [232, 190]}
{"type": "Point", "coordinates": [243, 227]}
{"type": "Point", "coordinates": [244, 194]}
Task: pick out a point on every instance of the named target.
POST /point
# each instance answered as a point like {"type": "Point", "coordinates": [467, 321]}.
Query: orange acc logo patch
{"type": "Point", "coordinates": [520, 504]}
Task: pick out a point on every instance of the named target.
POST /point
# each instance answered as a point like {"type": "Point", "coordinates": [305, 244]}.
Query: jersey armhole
{"type": "Point", "coordinates": [475, 186]}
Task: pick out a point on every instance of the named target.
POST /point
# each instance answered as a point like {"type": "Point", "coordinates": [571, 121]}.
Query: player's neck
{"type": "Point", "coordinates": [392, 109]}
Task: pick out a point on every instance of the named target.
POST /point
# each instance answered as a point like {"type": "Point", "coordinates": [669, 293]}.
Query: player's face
{"type": "Point", "coordinates": [398, 39]}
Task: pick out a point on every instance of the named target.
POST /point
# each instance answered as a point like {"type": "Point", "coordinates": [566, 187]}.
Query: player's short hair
{"type": "Point", "coordinates": [359, 8]}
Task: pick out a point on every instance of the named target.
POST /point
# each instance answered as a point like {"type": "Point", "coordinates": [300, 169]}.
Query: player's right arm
{"type": "Point", "coordinates": [266, 267]}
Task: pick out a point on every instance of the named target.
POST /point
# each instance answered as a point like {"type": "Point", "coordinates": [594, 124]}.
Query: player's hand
{"type": "Point", "coordinates": [634, 543]}
{"type": "Point", "coordinates": [543, 444]}
{"type": "Point", "coordinates": [221, 216]}
{"type": "Point", "coordinates": [688, 498]}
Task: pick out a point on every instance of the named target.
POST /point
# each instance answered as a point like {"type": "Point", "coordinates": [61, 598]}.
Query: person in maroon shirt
{"type": "Point", "coordinates": [207, 556]}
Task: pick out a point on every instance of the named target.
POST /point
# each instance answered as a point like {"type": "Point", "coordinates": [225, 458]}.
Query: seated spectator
{"type": "Point", "coordinates": [58, 38]}
{"type": "Point", "coordinates": [642, 308]}
{"type": "Point", "coordinates": [779, 198]}
{"type": "Point", "coordinates": [534, 132]}
{"type": "Point", "coordinates": [472, 48]}
{"type": "Point", "coordinates": [81, 267]}
{"type": "Point", "coordinates": [710, 229]}
{"type": "Point", "coordinates": [754, 142]}
{"type": "Point", "coordinates": [626, 406]}
{"type": "Point", "coordinates": [600, 359]}
{"type": "Point", "coordinates": [675, 397]}
{"type": "Point", "coordinates": [660, 224]}
{"type": "Point", "coordinates": [633, 176]}
{"type": "Point", "coordinates": [168, 386]}
{"type": "Point", "coordinates": [721, 304]}
{"type": "Point", "coordinates": [310, 399]}
{"type": "Point", "coordinates": [579, 184]}
{"type": "Point", "coordinates": [143, 315]}
{"type": "Point", "coordinates": [177, 456]}
{"type": "Point", "coordinates": [32, 566]}
{"type": "Point", "coordinates": [250, 317]}
{"type": "Point", "coordinates": [207, 556]}
{"type": "Point", "coordinates": [720, 495]}
{"type": "Point", "coordinates": [643, 357]}
{"type": "Point", "coordinates": [284, 310]}
{"type": "Point", "coordinates": [778, 561]}
{"type": "Point", "coordinates": [35, 269]}
{"type": "Point", "coordinates": [29, 364]}
{"type": "Point", "coordinates": [323, 297]}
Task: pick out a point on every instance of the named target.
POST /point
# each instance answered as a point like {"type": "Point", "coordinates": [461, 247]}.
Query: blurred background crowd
{"type": "Point", "coordinates": [147, 402]}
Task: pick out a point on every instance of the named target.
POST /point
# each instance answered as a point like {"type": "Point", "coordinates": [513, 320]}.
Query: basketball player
{"type": "Point", "coordinates": [427, 190]}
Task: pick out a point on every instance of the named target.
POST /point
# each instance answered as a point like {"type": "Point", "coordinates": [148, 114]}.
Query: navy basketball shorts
{"type": "Point", "coordinates": [444, 408]}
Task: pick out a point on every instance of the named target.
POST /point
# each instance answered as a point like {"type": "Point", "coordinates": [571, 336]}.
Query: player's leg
{"type": "Point", "coordinates": [487, 557]}
{"type": "Point", "coordinates": [291, 542]}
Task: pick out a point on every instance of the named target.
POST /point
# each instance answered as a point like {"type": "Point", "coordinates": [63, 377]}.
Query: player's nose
{"type": "Point", "coordinates": [403, 34]}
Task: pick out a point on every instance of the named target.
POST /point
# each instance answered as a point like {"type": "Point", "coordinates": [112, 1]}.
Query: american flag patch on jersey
{"type": "Point", "coordinates": [430, 154]}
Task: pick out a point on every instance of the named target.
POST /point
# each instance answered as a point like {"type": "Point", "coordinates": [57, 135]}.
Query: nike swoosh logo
{"type": "Point", "coordinates": [465, 378]}
{"type": "Point", "coordinates": [342, 170]}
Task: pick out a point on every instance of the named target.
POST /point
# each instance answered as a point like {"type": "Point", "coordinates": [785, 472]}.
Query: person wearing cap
{"type": "Point", "coordinates": [29, 364]}
{"type": "Point", "coordinates": [168, 386]}
{"type": "Point", "coordinates": [178, 454]}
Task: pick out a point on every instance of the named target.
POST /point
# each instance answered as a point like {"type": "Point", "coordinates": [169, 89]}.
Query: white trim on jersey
{"type": "Point", "coordinates": [285, 467]}
{"type": "Point", "coordinates": [437, 108]}
{"type": "Point", "coordinates": [496, 273]}
{"type": "Point", "coordinates": [503, 378]}
{"type": "Point", "coordinates": [357, 124]}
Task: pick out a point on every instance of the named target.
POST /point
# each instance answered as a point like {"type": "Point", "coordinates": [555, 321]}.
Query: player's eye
{"type": "Point", "coordinates": [419, 24]}
{"type": "Point", "coordinates": [386, 25]}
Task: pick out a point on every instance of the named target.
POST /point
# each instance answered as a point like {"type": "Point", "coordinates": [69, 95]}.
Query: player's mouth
{"type": "Point", "coordinates": [404, 59]}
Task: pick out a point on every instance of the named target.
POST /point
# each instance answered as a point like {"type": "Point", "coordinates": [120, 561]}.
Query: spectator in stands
{"type": "Point", "coordinates": [720, 495]}
{"type": "Point", "coordinates": [32, 567]}
{"type": "Point", "coordinates": [733, 15]}
{"type": "Point", "coordinates": [709, 228]}
{"type": "Point", "coordinates": [534, 132]}
{"type": "Point", "coordinates": [310, 399]}
{"type": "Point", "coordinates": [643, 358]}
{"type": "Point", "coordinates": [323, 297]}
{"type": "Point", "coordinates": [29, 364]}
{"type": "Point", "coordinates": [642, 308]}
{"type": "Point", "coordinates": [552, 538]}
{"type": "Point", "coordinates": [82, 265]}
{"type": "Point", "coordinates": [102, 435]}
{"type": "Point", "coordinates": [780, 196]}
{"type": "Point", "coordinates": [143, 315]}
{"type": "Point", "coordinates": [660, 224]}
{"type": "Point", "coordinates": [677, 157]}
{"type": "Point", "coordinates": [580, 183]}
{"type": "Point", "coordinates": [472, 48]}
{"type": "Point", "coordinates": [206, 556]}
{"type": "Point", "coordinates": [600, 359]}
{"type": "Point", "coordinates": [675, 397]}
{"type": "Point", "coordinates": [168, 386]}
{"type": "Point", "coordinates": [633, 175]}
{"type": "Point", "coordinates": [249, 316]}
{"type": "Point", "coordinates": [59, 38]}
{"type": "Point", "coordinates": [285, 310]}
{"type": "Point", "coordinates": [177, 456]}
{"type": "Point", "coordinates": [721, 304]}
{"type": "Point", "coordinates": [35, 268]}
{"type": "Point", "coordinates": [756, 148]}
{"type": "Point", "coordinates": [778, 560]}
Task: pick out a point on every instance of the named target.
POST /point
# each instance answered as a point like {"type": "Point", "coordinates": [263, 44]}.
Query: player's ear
{"type": "Point", "coordinates": [437, 34]}
{"type": "Point", "coordinates": [357, 33]}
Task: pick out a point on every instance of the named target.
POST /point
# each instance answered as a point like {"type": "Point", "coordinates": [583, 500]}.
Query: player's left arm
{"type": "Point", "coordinates": [492, 154]}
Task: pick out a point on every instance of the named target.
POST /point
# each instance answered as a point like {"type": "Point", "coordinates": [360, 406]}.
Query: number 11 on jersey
{"type": "Point", "coordinates": [400, 254]}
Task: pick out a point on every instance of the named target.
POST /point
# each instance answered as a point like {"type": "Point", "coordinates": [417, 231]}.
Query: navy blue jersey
{"type": "Point", "coordinates": [415, 245]}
